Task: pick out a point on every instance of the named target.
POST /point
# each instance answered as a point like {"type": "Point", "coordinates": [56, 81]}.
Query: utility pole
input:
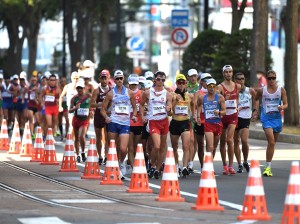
{"type": "Point", "coordinates": [150, 36]}
{"type": "Point", "coordinates": [118, 35]}
{"type": "Point", "coordinates": [64, 41]}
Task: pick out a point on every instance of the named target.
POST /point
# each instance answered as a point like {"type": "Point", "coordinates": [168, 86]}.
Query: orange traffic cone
{"type": "Point", "coordinates": [26, 149]}
{"type": "Point", "coordinates": [38, 147]}
{"type": "Point", "coordinates": [49, 157]}
{"type": "Point", "coordinates": [169, 188]}
{"type": "Point", "coordinates": [69, 161]}
{"type": "Point", "coordinates": [254, 207]}
{"type": "Point", "coordinates": [15, 144]}
{"type": "Point", "coordinates": [207, 192]}
{"type": "Point", "coordinates": [112, 174]}
{"type": "Point", "coordinates": [92, 167]}
{"type": "Point", "coordinates": [4, 140]}
{"type": "Point", "coordinates": [291, 210]}
{"type": "Point", "coordinates": [139, 178]}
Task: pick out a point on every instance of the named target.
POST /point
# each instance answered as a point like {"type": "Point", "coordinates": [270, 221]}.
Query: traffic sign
{"type": "Point", "coordinates": [135, 43]}
{"type": "Point", "coordinates": [179, 36]}
{"type": "Point", "coordinates": [136, 54]}
{"type": "Point", "coordinates": [180, 18]}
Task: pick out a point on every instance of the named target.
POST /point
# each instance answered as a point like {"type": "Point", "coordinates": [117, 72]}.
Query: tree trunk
{"type": "Point", "coordinates": [237, 14]}
{"type": "Point", "coordinates": [89, 35]}
{"type": "Point", "coordinates": [104, 38]}
{"type": "Point", "coordinates": [291, 116]}
{"type": "Point", "coordinates": [259, 39]}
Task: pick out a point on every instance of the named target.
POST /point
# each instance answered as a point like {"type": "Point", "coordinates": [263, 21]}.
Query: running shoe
{"type": "Point", "coordinates": [231, 171]}
{"type": "Point", "coordinates": [100, 161]}
{"type": "Point", "coordinates": [162, 167]}
{"type": "Point", "coordinates": [128, 169]}
{"type": "Point", "coordinates": [57, 133]}
{"type": "Point", "coordinates": [190, 170]}
{"type": "Point", "coordinates": [104, 161]}
{"type": "Point", "coordinates": [185, 172]}
{"type": "Point", "coordinates": [83, 157]}
{"type": "Point", "coordinates": [178, 172]}
{"type": "Point", "coordinates": [156, 174]}
{"type": "Point", "coordinates": [246, 165]}
{"type": "Point", "coordinates": [267, 172]}
{"type": "Point", "coordinates": [78, 159]}
{"type": "Point", "coordinates": [225, 170]}
{"type": "Point", "coordinates": [240, 169]}
{"type": "Point", "coordinates": [33, 136]}
{"type": "Point", "coordinates": [151, 172]}
{"type": "Point", "coordinates": [123, 169]}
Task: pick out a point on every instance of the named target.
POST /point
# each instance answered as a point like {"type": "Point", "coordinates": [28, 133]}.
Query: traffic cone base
{"type": "Point", "coordinates": [15, 148]}
{"type": "Point", "coordinates": [26, 149]}
{"type": "Point", "coordinates": [139, 177]}
{"type": "Point", "coordinates": [209, 202]}
{"type": "Point", "coordinates": [15, 145]}
{"type": "Point", "coordinates": [4, 139]}
{"type": "Point", "coordinates": [69, 161]}
{"type": "Point", "coordinates": [38, 147]}
{"type": "Point", "coordinates": [49, 157]}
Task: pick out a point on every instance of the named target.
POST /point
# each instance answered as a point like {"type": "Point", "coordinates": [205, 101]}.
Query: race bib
{"type": "Point", "coordinates": [271, 108]}
{"type": "Point", "coordinates": [83, 111]}
{"type": "Point", "coordinates": [209, 114]}
{"type": "Point", "coordinates": [230, 104]}
{"type": "Point", "coordinates": [181, 110]}
{"type": "Point", "coordinates": [122, 109]}
{"type": "Point", "coordinates": [32, 96]}
{"type": "Point", "coordinates": [244, 104]}
{"type": "Point", "coordinates": [49, 98]}
{"type": "Point", "coordinates": [138, 107]}
{"type": "Point", "coordinates": [159, 110]}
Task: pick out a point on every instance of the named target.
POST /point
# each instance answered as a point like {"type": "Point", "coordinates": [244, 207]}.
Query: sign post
{"type": "Point", "coordinates": [179, 36]}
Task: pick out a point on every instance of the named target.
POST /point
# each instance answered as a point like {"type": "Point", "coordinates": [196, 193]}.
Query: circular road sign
{"type": "Point", "coordinates": [179, 36]}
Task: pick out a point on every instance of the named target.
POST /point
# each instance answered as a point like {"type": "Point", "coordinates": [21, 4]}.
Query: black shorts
{"type": "Point", "coordinates": [178, 127]}
{"type": "Point", "coordinates": [145, 133]}
{"type": "Point", "coordinates": [199, 130]}
{"type": "Point", "coordinates": [242, 123]}
{"type": "Point", "coordinates": [136, 130]}
{"type": "Point", "coordinates": [34, 109]}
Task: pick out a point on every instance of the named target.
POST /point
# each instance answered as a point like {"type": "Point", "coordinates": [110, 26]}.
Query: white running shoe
{"type": "Point", "coordinates": [123, 169]}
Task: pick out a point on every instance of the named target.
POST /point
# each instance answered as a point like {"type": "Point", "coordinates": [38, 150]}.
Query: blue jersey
{"type": "Point", "coordinates": [208, 108]}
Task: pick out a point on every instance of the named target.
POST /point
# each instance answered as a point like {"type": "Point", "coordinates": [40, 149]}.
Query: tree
{"type": "Point", "coordinates": [237, 14]}
{"type": "Point", "coordinates": [290, 22]}
{"type": "Point", "coordinates": [259, 39]}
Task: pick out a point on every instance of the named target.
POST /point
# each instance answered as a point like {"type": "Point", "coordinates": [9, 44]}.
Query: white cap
{"type": "Point", "coordinates": [192, 72]}
{"type": "Point", "coordinates": [205, 75]}
{"type": "Point", "coordinates": [47, 74]}
{"type": "Point", "coordinates": [88, 63]}
{"type": "Point", "coordinates": [23, 75]}
{"type": "Point", "coordinates": [148, 84]}
{"type": "Point", "coordinates": [118, 73]}
{"type": "Point", "coordinates": [142, 79]}
{"type": "Point", "coordinates": [74, 75]}
{"type": "Point", "coordinates": [133, 79]}
{"type": "Point", "coordinates": [80, 83]}
{"type": "Point", "coordinates": [227, 67]}
{"type": "Point", "coordinates": [149, 74]}
{"type": "Point", "coordinates": [211, 81]}
{"type": "Point", "coordinates": [15, 76]}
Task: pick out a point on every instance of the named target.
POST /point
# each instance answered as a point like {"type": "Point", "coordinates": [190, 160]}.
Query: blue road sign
{"type": "Point", "coordinates": [180, 18]}
{"type": "Point", "coordinates": [135, 43]}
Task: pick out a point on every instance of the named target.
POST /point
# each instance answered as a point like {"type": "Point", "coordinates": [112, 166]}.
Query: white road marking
{"type": "Point", "coordinates": [138, 223]}
{"type": "Point", "coordinates": [76, 201]}
{"type": "Point", "coordinates": [42, 220]}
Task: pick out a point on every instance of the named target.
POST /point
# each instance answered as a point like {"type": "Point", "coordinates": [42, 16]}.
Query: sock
{"type": "Point", "coordinates": [268, 164]}
{"type": "Point", "coordinates": [61, 129]}
{"type": "Point", "coordinates": [190, 164]}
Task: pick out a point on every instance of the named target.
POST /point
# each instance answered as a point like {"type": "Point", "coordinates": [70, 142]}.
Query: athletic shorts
{"type": "Point", "coordinates": [275, 124]}
{"type": "Point", "coordinates": [199, 130]}
{"type": "Point", "coordinates": [77, 123]}
{"type": "Point", "coordinates": [145, 133]}
{"type": "Point", "coordinates": [178, 127]}
{"type": "Point", "coordinates": [21, 106]}
{"type": "Point", "coordinates": [34, 109]}
{"type": "Point", "coordinates": [215, 128]}
{"type": "Point", "coordinates": [99, 121]}
{"type": "Point", "coordinates": [7, 103]}
{"type": "Point", "coordinates": [159, 127]}
{"type": "Point", "coordinates": [51, 110]}
{"type": "Point", "coordinates": [118, 128]}
{"type": "Point", "coordinates": [229, 119]}
{"type": "Point", "coordinates": [243, 123]}
{"type": "Point", "coordinates": [136, 130]}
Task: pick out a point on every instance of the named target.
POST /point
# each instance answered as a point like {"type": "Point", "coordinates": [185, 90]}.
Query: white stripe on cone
{"type": "Point", "coordinates": [255, 172]}
{"type": "Point", "coordinates": [92, 159]}
{"type": "Point", "coordinates": [208, 183]}
{"type": "Point", "coordinates": [69, 153]}
{"type": "Point", "coordinates": [112, 164]}
{"type": "Point", "coordinates": [208, 167]}
{"type": "Point", "coordinates": [139, 155]}
{"type": "Point", "coordinates": [292, 199]}
{"type": "Point", "coordinates": [170, 161]}
{"type": "Point", "coordinates": [139, 169]}
{"type": "Point", "coordinates": [255, 190]}
{"type": "Point", "coordinates": [294, 179]}
{"type": "Point", "coordinates": [112, 151]}
{"type": "Point", "coordinates": [169, 176]}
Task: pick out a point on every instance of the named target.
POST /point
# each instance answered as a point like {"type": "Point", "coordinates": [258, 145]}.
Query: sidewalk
{"type": "Point", "coordinates": [256, 132]}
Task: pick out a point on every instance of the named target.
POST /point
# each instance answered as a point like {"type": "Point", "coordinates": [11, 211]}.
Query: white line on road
{"type": "Point", "coordinates": [42, 220]}
{"type": "Point", "coordinates": [75, 201]}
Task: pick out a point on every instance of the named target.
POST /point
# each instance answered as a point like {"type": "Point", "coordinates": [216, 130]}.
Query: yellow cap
{"type": "Point", "coordinates": [35, 73]}
{"type": "Point", "coordinates": [180, 76]}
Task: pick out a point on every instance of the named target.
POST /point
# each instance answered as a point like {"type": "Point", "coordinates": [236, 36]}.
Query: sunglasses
{"type": "Point", "coordinates": [79, 87]}
{"type": "Point", "coordinates": [271, 78]}
{"type": "Point", "coordinates": [159, 79]}
{"type": "Point", "coordinates": [240, 78]}
{"type": "Point", "coordinates": [211, 86]}
{"type": "Point", "coordinates": [181, 82]}
{"type": "Point", "coordinates": [119, 78]}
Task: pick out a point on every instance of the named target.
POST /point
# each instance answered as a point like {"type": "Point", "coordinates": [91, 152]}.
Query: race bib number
{"type": "Point", "coordinates": [122, 109]}
{"type": "Point", "coordinates": [49, 98]}
{"type": "Point", "coordinates": [159, 110]}
{"type": "Point", "coordinates": [32, 96]}
{"type": "Point", "coordinates": [244, 104]}
{"type": "Point", "coordinates": [138, 107]}
{"type": "Point", "coordinates": [209, 114]}
{"type": "Point", "coordinates": [181, 110]}
{"type": "Point", "coordinates": [230, 104]}
{"type": "Point", "coordinates": [272, 108]}
{"type": "Point", "coordinates": [83, 111]}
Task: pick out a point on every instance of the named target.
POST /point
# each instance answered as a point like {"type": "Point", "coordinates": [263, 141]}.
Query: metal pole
{"type": "Point", "coordinates": [179, 52]}
{"type": "Point", "coordinates": [64, 74]}
{"type": "Point", "coordinates": [118, 34]}
{"type": "Point", "coordinates": [206, 14]}
{"type": "Point", "coordinates": [150, 36]}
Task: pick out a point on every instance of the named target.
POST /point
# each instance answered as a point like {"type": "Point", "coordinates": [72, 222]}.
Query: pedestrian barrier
{"type": "Point", "coordinates": [49, 157]}
{"type": "Point", "coordinates": [4, 139]}
{"type": "Point", "coordinates": [139, 177]}
{"type": "Point", "coordinates": [92, 167]}
{"type": "Point", "coordinates": [38, 147]}
{"type": "Point", "coordinates": [112, 174]}
{"type": "Point", "coordinates": [254, 207]}
{"type": "Point", "coordinates": [69, 161]}
{"type": "Point", "coordinates": [208, 198]}
{"type": "Point", "coordinates": [26, 149]}
{"type": "Point", "coordinates": [15, 144]}
{"type": "Point", "coordinates": [291, 210]}
{"type": "Point", "coordinates": [169, 189]}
